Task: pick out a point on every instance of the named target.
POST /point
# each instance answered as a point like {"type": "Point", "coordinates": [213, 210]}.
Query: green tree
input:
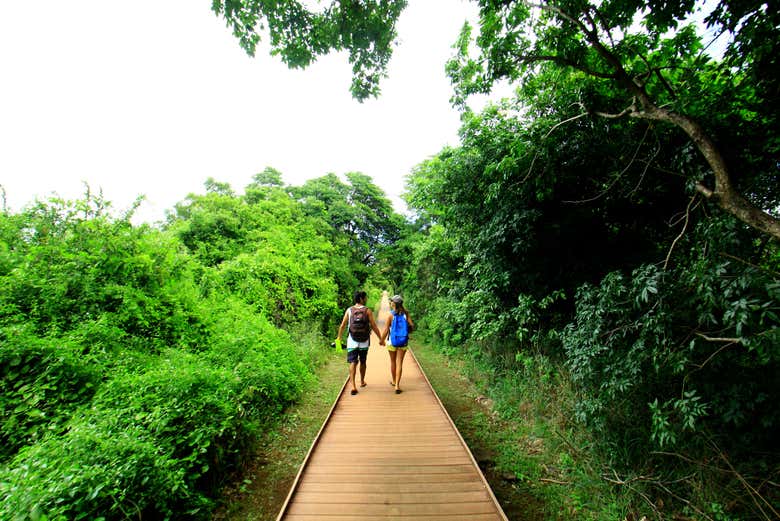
{"type": "Point", "coordinates": [298, 34]}
{"type": "Point", "coordinates": [653, 76]}
{"type": "Point", "coordinates": [263, 247]}
{"type": "Point", "coordinates": [520, 41]}
{"type": "Point", "coordinates": [135, 377]}
{"type": "Point", "coordinates": [361, 217]}
{"type": "Point", "coordinates": [557, 240]}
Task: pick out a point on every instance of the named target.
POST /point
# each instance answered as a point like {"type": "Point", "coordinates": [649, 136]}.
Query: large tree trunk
{"type": "Point", "coordinates": [724, 193]}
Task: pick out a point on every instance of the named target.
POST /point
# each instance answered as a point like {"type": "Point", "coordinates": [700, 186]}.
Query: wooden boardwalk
{"type": "Point", "coordinates": [390, 457]}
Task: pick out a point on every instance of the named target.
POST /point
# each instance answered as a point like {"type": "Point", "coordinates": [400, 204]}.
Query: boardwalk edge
{"type": "Point", "coordinates": [314, 444]}
{"type": "Point", "coordinates": [462, 441]}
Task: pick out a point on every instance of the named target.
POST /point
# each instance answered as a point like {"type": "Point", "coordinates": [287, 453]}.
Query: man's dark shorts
{"type": "Point", "coordinates": [354, 354]}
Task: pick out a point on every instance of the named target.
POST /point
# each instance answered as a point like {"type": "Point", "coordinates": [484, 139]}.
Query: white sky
{"type": "Point", "coordinates": [153, 96]}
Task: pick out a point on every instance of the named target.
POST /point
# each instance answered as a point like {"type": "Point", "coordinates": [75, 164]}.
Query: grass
{"type": "Point", "coordinates": [520, 429]}
{"type": "Point", "coordinates": [259, 492]}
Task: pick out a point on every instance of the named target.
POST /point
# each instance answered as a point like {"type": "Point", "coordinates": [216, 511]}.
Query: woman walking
{"type": "Point", "coordinates": [398, 326]}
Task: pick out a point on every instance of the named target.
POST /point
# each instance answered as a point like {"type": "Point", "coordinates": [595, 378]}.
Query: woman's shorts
{"type": "Point", "coordinates": [354, 354]}
{"type": "Point", "coordinates": [392, 348]}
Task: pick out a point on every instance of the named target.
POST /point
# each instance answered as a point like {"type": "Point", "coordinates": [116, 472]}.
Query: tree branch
{"type": "Point", "coordinates": [557, 482]}
{"type": "Point", "coordinates": [703, 190]}
{"type": "Point", "coordinates": [627, 483]}
{"type": "Point", "coordinates": [682, 232]}
{"type": "Point", "coordinates": [625, 112]}
{"type": "Point", "coordinates": [717, 352]}
{"type": "Point", "coordinates": [564, 122]}
{"type": "Point", "coordinates": [618, 176]}
{"type": "Point", "coordinates": [724, 193]}
{"type": "Point", "coordinates": [647, 163]}
{"type": "Point", "coordinates": [665, 83]}
{"type": "Point", "coordinates": [719, 339]}
{"type": "Point", "coordinates": [529, 59]}
{"type": "Point", "coordinates": [743, 261]}
{"type": "Point", "coordinates": [757, 498]}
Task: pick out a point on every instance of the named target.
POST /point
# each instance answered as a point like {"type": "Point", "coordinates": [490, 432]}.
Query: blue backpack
{"type": "Point", "coordinates": [399, 330]}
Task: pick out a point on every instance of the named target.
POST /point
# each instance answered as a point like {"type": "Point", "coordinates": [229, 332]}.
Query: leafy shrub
{"type": "Point", "coordinates": [262, 356]}
{"type": "Point", "coordinates": [157, 441]}
{"type": "Point", "coordinates": [284, 288]}
{"type": "Point", "coordinates": [71, 268]}
{"type": "Point", "coordinates": [95, 471]}
{"type": "Point", "coordinates": [43, 381]}
{"type": "Point", "coordinates": [664, 355]}
{"type": "Point", "coordinates": [137, 376]}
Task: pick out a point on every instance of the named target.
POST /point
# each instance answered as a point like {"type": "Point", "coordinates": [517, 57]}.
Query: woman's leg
{"type": "Point", "coordinates": [392, 365]}
{"type": "Point", "coordinates": [399, 368]}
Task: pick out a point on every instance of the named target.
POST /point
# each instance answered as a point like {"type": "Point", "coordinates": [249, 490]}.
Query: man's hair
{"type": "Point", "coordinates": [359, 295]}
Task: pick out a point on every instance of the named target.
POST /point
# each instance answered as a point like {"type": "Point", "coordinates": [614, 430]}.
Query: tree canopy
{"type": "Point", "coordinates": [621, 54]}
{"type": "Point", "coordinates": [298, 34]}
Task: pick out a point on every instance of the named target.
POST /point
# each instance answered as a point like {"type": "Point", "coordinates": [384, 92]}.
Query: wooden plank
{"type": "Point", "coordinates": [368, 498]}
{"type": "Point", "coordinates": [420, 509]}
{"type": "Point", "coordinates": [360, 517]}
{"type": "Point", "coordinates": [386, 426]}
{"type": "Point", "coordinates": [388, 470]}
{"type": "Point", "coordinates": [389, 452]}
{"type": "Point", "coordinates": [371, 459]}
{"type": "Point", "coordinates": [428, 412]}
{"type": "Point", "coordinates": [432, 441]}
{"type": "Point", "coordinates": [382, 477]}
{"type": "Point", "coordinates": [355, 437]}
{"type": "Point", "coordinates": [389, 448]}
{"type": "Point", "coordinates": [403, 421]}
{"type": "Point", "coordinates": [358, 434]}
{"type": "Point", "coordinates": [390, 487]}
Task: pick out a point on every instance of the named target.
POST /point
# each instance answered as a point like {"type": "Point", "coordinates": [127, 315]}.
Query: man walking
{"type": "Point", "coordinates": [361, 323]}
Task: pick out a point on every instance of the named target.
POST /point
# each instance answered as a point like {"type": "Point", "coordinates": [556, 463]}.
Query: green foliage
{"type": "Point", "coordinates": [552, 232]}
{"type": "Point", "coordinates": [283, 247]}
{"type": "Point", "coordinates": [357, 211]}
{"type": "Point", "coordinates": [614, 68]}
{"type": "Point", "coordinates": [44, 381]}
{"type": "Point", "coordinates": [96, 472]}
{"type": "Point", "coordinates": [299, 34]}
{"type": "Point", "coordinates": [361, 224]}
{"type": "Point", "coordinates": [138, 365]}
{"type": "Point", "coordinates": [73, 264]}
{"type": "Point", "coordinates": [683, 350]}
{"type": "Point", "coordinates": [154, 441]}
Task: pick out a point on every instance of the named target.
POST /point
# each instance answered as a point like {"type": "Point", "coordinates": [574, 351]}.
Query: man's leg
{"type": "Point", "coordinates": [363, 356]}
{"type": "Point", "coordinates": [352, 371]}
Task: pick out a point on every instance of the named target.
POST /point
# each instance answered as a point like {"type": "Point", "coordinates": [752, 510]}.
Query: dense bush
{"type": "Point", "coordinates": [138, 365]}
{"type": "Point", "coordinates": [44, 381]}
{"type": "Point", "coordinates": [695, 345]}
{"type": "Point", "coordinates": [549, 232]}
